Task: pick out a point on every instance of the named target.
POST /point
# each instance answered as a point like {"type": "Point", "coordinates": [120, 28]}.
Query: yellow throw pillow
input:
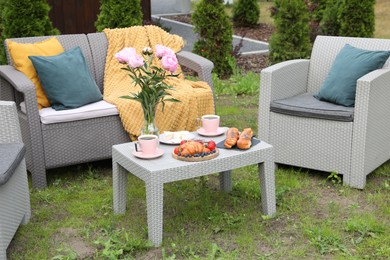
{"type": "Point", "coordinates": [19, 53]}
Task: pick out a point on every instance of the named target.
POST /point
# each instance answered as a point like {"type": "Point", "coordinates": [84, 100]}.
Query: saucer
{"type": "Point", "coordinates": [220, 130]}
{"type": "Point", "coordinates": [141, 155]}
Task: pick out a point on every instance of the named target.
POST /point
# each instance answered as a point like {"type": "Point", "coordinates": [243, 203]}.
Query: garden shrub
{"type": "Point", "coordinates": [330, 23]}
{"type": "Point", "coordinates": [246, 13]}
{"type": "Point", "coordinates": [119, 14]}
{"type": "Point", "coordinates": [215, 35]}
{"type": "Point", "coordinates": [22, 18]}
{"type": "Point", "coordinates": [316, 10]}
{"type": "Point", "coordinates": [291, 38]}
{"type": "Point", "coordinates": [357, 18]}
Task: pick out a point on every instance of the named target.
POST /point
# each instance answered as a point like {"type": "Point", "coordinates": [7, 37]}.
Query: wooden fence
{"type": "Point", "coordinates": [79, 16]}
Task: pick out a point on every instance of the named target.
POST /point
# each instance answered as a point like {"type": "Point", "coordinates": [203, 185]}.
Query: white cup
{"type": "Point", "coordinates": [147, 144]}
{"type": "Point", "coordinates": [210, 123]}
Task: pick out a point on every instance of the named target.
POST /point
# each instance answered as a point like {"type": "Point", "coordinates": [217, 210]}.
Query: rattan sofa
{"type": "Point", "coordinates": [61, 144]}
{"type": "Point", "coordinates": [354, 148]}
{"type": "Point", "coordinates": [14, 193]}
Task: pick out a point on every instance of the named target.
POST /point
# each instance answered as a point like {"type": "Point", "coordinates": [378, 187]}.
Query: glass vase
{"type": "Point", "coordinates": [150, 127]}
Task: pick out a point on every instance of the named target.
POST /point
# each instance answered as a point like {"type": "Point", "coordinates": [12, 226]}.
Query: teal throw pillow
{"type": "Point", "coordinates": [66, 79]}
{"type": "Point", "coordinates": [349, 65]}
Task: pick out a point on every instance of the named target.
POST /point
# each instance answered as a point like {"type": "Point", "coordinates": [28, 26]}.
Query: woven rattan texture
{"type": "Point", "coordinates": [14, 195]}
{"type": "Point", "coordinates": [166, 169]}
{"type": "Point", "coordinates": [352, 149]}
{"type": "Point", "coordinates": [325, 50]}
{"type": "Point", "coordinates": [50, 146]}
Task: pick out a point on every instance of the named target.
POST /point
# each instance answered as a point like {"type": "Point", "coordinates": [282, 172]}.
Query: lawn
{"type": "Point", "coordinates": [317, 217]}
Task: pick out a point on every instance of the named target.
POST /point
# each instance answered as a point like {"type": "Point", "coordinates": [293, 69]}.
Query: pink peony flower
{"type": "Point", "coordinates": [124, 55]}
{"type": "Point", "coordinates": [169, 62]}
{"type": "Point", "coordinates": [162, 51]}
{"type": "Point", "coordinates": [135, 61]}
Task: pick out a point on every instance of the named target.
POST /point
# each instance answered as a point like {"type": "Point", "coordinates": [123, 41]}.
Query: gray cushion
{"type": "Point", "coordinates": [306, 105]}
{"type": "Point", "coordinates": [10, 157]}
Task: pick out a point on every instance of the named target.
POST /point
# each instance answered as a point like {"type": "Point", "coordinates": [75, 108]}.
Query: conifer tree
{"type": "Point", "coordinates": [357, 18]}
{"type": "Point", "coordinates": [22, 18]}
{"type": "Point", "coordinates": [119, 14]}
{"type": "Point", "coordinates": [330, 22]}
{"type": "Point", "coordinates": [291, 38]}
{"type": "Point", "coordinates": [246, 13]}
{"type": "Point", "coordinates": [215, 35]}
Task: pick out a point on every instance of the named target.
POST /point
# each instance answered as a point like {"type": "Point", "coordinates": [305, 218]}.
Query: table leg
{"type": "Point", "coordinates": [267, 186]}
{"type": "Point", "coordinates": [154, 205]}
{"type": "Point", "coordinates": [225, 181]}
{"type": "Point", "coordinates": [119, 181]}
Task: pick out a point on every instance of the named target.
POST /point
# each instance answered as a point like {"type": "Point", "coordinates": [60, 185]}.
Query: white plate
{"type": "Point", "coordinates": [141, 155]}
{"type": "Point", "coordinates": [174, 141]}
{"type": "Point", "coordinates": [220, 131]}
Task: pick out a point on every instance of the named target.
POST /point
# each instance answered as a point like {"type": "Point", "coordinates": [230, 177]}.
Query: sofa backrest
{"type": "Point", "coordinates": [68, 41]}
{"type": "Point", "coordinates": [99, 45]}
{"type": "Point", "coordinates": [325, 50]}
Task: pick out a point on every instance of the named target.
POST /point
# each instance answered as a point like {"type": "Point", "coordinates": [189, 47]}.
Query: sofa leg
{"type": "Point", "coordinates": [38, 176]}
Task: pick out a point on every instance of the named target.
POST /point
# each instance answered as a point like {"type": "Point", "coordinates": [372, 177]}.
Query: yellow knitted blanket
{"type": "Point", "coordinates": [196, 97]}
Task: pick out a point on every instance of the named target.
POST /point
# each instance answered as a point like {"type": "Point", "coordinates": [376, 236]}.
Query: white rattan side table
{"type": "Point", "coordinates": [165, 169]}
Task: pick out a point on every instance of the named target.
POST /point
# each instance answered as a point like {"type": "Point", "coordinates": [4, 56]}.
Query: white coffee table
{"type": "Point", "coordinates": [165, 169]}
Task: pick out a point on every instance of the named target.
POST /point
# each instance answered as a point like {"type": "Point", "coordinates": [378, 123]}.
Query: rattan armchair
{"type": "Point", "coordinates": [14, 192]}
{"type": "Point", "coordinates": [354, 147]}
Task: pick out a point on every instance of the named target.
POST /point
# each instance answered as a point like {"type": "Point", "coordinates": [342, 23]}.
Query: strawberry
{"type": "Point", "coordinates": [176, 151]}
{"type": "Point", "coordinates": [211, 145]}
{"type": "Point", "coordinates": [183, 142]}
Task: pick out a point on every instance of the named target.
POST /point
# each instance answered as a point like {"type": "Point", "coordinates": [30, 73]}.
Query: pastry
{"type": "Point", "coordinates": [191, 148]}
{"type": "Point", "coordinates": [231, 137]}
{"type": "Point", "coordinates": [245, 140]}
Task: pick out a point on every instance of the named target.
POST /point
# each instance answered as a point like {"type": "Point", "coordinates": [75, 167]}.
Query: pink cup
{"type": "Point", "coordinates": [210, 123]}
{"type": "Point", "coordinates": [147, 144]}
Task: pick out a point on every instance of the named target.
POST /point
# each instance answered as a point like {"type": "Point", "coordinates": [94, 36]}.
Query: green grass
{"type": "Point", "coordinates": [316, 216]}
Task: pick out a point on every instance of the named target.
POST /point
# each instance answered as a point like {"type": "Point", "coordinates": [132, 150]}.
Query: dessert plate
{"type": "Point", "coordinates": [141, 155]}
{"type": "Point", "coordinates": [196, 159]}
{"type": "Point", "coordinates": [220, 130]}
{"type": "Point", "coordinates": [162, 139]}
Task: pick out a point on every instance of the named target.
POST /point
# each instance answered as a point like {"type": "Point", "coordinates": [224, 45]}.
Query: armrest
{"type": "Point", "coordinates": [15, 79]}
{"type": "Point", "coordinates": [282, 80]}
{"type": "Point", "coordinates": [198, 64]}
{"type": "Point", "coordinates": [285, 79]}
{"type": "Point", "coordinates": [372, 110]}
{"type": "Point", "coordinates": [9, 127]}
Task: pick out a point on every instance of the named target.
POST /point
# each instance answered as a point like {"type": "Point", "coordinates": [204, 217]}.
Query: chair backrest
{"type": "Point", "coordinates": [99, 46]}
{"type": "Point", "coordinates": [68, 41]}
{"type": "Point", "coordinates": [326, 48]}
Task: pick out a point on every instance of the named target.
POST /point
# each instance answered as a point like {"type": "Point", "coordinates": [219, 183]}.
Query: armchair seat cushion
{"type": "Point", "coordinates": [305, 105]}
{"type": "Point", "coordinates": [11, 154]}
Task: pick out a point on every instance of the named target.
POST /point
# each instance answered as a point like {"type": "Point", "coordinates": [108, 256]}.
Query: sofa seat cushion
{"type": "Point", "coordinates": [305, 105]}
{"type": "Point", "coordinates": [11, 154]}
{"type": "Point", "coordinates": [98, 109]}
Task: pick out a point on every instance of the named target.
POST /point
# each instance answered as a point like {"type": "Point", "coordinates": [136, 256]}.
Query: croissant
{"type": "Point", "coordinates": [231, 137]}
{"type": "Point", "coordinates": [191, 148]}
{"type": "Point", "coordinates": [245, 140]}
